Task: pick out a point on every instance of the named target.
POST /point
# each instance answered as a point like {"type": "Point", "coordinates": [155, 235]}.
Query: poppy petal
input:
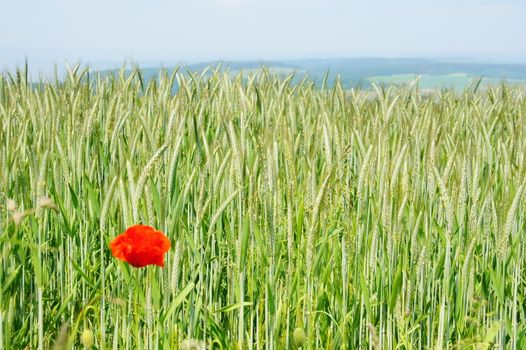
{"type": "Point", "coordinates": [140, 246]}
{"type": "Point", "coordinates": [119, 246]}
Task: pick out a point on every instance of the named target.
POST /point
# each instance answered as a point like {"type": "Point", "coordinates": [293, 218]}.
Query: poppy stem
{"type": "Point", "coordinates": [148, 306]}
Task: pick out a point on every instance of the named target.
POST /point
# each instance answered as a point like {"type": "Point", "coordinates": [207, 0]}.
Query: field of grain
{"type": "Point", "coordinates": [298, 216]}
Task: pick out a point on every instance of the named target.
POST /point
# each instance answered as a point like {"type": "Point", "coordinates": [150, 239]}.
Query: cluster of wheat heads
{"type": "Point", "coordinates": [299, 216]}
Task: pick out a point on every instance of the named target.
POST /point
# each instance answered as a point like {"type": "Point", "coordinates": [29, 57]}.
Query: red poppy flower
{"type": "Point", "coordinates": [141, 245]}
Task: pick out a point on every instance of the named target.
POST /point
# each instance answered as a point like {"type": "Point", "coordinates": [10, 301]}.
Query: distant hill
{"type": "Point", "coordinates": [363, 72]}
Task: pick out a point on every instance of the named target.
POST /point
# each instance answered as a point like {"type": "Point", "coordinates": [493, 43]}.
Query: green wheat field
{"type": "Point", "coordinates": [299, 216]}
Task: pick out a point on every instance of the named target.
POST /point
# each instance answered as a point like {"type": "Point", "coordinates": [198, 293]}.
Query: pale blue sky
{"type": "Point", "coordinates": [199, 30]}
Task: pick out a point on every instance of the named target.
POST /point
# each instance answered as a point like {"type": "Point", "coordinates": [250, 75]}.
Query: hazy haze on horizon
{"type": "Point", "coordinates": [107, 32]}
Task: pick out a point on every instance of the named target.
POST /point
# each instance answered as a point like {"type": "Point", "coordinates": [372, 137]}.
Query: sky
{"type": "Point", "coordinates": [143, 31]}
